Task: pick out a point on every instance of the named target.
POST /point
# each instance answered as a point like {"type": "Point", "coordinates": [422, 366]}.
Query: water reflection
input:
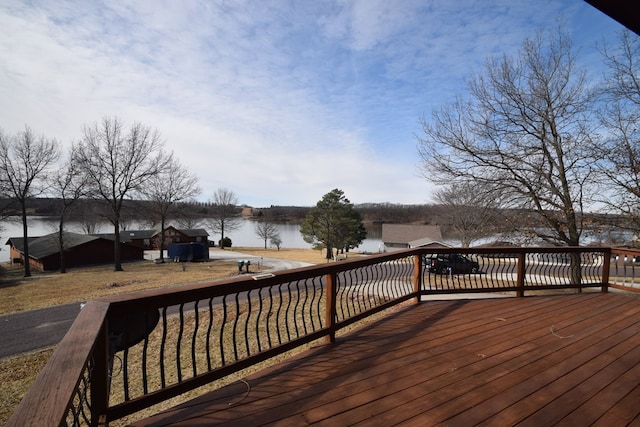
{"type": "Point", "coordinates": [245, 236]}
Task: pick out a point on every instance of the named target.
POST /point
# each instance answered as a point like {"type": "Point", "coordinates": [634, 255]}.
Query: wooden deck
{"type": "Point", "coordinates": [539, 361]}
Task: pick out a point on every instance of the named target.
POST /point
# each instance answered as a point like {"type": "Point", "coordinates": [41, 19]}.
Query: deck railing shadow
{"type": "Point", "coordinates": [124, 354]}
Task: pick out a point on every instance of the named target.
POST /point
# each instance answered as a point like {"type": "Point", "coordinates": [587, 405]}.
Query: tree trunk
{"type": "Point", "coordinates": [162, 240]}
{"type": "Point", "coordinates": [576, 269]}
{"type": "Point", "coordinates": [63, 266]}
{"type": "Point", "coordinates": [117, 261]}
{"type": "Point", "coordinates": [27, 265]}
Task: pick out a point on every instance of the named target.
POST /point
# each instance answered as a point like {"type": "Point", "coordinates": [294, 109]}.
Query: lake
{"type": "Point", "coordinates": [245, 236]}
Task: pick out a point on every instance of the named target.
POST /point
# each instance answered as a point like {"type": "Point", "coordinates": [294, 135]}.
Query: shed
{"type": "Point", "coordinates": [400, 236]}
{"type": "Point", "coordinates": [81, 249]}
{"type": "Point", "coordinates": [188, 252]}
{"type": "Point", "coordinates": [427, 242]}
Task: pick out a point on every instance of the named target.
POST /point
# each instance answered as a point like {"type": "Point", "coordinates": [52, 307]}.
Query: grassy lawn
{"type": "Point", "coordinates": [44, 289]}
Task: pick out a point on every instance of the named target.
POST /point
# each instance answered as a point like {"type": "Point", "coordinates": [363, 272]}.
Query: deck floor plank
{"type": "Point", "coordinates": [544, 360]}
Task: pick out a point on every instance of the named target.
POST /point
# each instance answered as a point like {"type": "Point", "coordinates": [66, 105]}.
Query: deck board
{"type": "Point", "coordinates": [545, 360]}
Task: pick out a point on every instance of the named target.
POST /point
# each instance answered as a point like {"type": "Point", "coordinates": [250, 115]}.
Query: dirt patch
{"type": "Point", "coordinates": [310, 256]}
{"type": "Point", "coordinates": [123, 284]}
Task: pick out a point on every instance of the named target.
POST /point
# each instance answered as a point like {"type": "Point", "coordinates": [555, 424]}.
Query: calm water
{"type": "Point", "coordinates": [245, 236]}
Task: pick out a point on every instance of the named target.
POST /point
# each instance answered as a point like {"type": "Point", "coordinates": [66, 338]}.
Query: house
{"type": "Point", "coordinates": [81, 249]}
{"type": "Point", "coordinates": [139, 238]}
{"type": "Point", "coordinates": [195, 235]}
{"type": "Point", "coordinates": [403, 236]}
{"type": "Point", "coordinates": [150, 239]}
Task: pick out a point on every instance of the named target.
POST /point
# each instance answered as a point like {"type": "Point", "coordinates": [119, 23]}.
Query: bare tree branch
{"type": "Point", "coordinates": [617, 157]}
{"type": "Point", "coordinates": [266, 230]}
{"type": "Point", "coordinates": [25, 162]}
{"type": "Point", "coordinates": [118, 162]}
{"type": "Point", "coordinates": [523, 131]}
{"type": "Point", "coordinates": [166, 190]}
{"type": "Point", "coordinates": [225, 213]}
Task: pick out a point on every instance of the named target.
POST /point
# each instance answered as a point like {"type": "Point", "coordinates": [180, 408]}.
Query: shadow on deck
{"type": "Point", "coordinates": [543, 360]}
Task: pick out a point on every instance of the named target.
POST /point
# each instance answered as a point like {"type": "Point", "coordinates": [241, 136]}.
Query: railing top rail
{"type": "Point", "coordinates": [218, 288]}
{"type": "Point", "coordinates": [625, 251]}
{"type": "Point", "coordinates": [516, 250]}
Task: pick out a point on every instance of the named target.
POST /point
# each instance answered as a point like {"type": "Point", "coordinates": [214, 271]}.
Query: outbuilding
{"type": "Point", "coordinates": [403, 236]}
{"type": "Point", "coordinates": [80, 250]}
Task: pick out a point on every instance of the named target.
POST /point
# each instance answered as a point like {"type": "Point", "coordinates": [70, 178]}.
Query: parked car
{"type": "Point", "coordinates": [453, 264]}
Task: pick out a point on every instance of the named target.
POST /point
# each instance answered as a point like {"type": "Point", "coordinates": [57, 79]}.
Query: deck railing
{"type": "Point", "coordinates": [124, 354]}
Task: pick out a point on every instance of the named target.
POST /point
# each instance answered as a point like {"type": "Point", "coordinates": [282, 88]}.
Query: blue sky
{"type": "Point", "coordinates": [278, 101]}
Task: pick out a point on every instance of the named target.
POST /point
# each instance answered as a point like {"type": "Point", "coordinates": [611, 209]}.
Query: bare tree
{"type": "Point", "coordinates": [266, 230]}
{"type": "Point", "coordinates": [68, 185]}
{"type": "Point", "coordinates": [165, 190]}
{"type": "Point", "coordinates": [471, 209]}
{"type": "Point", "coordinates": [225, 213]}
{"type": "Point", "coordinates": [118, 162]}
{"type": "Point", "coordinates": [25, 160]}
{"type": "Point", "coordinates": [276, 241]}
{"type": "Point", "coordinates": [618, 155]}
{"type": "Point", "coordinates": [87, 214]}
{"type": "Point", "coordinates": [188, 217]}
{"type": "Point", "coordinates": [524, 132]}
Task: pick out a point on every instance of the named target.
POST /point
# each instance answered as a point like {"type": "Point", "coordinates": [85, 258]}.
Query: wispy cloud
{"type": "Point", "coordinates": [280, 101]}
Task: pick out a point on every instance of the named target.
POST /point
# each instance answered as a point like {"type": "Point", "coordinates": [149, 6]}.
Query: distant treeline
{"type": "Point", "coordinates": [134, 210]}
{"type": "Point", "coordinates": [371, 212]}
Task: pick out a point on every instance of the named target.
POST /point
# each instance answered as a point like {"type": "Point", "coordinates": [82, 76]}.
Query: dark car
{"type": "Point", "coordinates": [453, 264]}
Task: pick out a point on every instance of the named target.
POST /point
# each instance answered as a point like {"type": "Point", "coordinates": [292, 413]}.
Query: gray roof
{"type": "Point", "coordinates": [427, 242]}
{"type": "Point", "coordinates": [43, 246]}
{"type": "Point", "coordinates": [194, 232]}
{"type": "Point", "coordinates": [129, 235]}
{"type": "Point", "coordinates": [405, 233]}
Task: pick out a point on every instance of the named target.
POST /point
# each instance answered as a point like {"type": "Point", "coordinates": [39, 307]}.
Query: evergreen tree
{"type": "Point", "coordinates": [333, 224]}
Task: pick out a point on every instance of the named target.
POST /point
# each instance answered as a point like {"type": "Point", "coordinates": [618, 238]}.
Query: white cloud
{"type": "Point", "coordinates": [278, 101]}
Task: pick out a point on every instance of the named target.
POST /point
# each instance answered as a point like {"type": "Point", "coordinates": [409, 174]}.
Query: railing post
{"type": "Point", "coordinates": [417, 276]}
{"type": "Point", "coordinates": [100, 384]}
{"type": "Point", "coordinates": [330, 312]}
{"type": "Point", "coordinates": [521, 273]}
{"type": "Point", "coordinates": [606, 270]}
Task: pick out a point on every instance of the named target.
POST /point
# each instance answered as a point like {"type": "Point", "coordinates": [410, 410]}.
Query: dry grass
{"type": "Point", "coordinates": [51, 288]}
{"type": "Point", "coordinates": [16, 376]}
{"type": "Point", "coordinates": [45, 289]}
{"type": "Point", "coordinates": [303, 255]}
